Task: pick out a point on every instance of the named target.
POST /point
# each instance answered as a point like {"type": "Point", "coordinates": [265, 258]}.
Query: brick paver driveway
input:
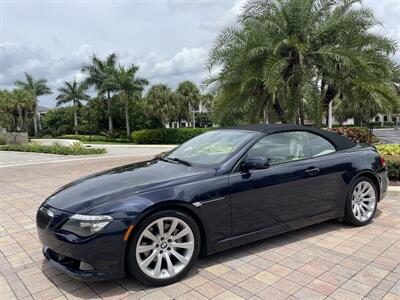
{"type": "Point", "coordinates": [325, 260]}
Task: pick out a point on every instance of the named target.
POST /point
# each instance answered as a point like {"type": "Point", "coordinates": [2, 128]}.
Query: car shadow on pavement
{"type": "Point", "coordinates": [291, 250]}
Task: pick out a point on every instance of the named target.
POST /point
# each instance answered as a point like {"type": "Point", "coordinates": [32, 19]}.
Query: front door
{"type": "Point", "coordinates": [287, 190]}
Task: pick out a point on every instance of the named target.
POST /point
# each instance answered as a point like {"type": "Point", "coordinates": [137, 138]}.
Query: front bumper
{"type": "Point", "coordinates": [102, 255]}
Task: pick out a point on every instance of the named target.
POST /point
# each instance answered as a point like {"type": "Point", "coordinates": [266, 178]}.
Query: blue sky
{"type": "Point", "coordinates": [169, 40]}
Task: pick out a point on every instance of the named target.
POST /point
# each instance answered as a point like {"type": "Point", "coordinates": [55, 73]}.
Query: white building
{"type": "Point", "coordinates": [192, 121]}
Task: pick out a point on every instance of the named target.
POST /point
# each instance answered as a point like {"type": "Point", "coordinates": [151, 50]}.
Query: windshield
{"type": "Point", "coordinates": [210, 148]}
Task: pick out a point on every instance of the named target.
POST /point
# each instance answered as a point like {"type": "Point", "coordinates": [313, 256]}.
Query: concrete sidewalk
{"type": "Point", "coordinates": [12, 159]}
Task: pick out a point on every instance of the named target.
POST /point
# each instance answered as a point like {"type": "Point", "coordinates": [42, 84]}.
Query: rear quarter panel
{"type": "Point", "coordinates": [350, 164]}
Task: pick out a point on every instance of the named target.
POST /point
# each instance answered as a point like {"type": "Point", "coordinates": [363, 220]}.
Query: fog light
{"type": "Point", "coordinates": [85, 266]}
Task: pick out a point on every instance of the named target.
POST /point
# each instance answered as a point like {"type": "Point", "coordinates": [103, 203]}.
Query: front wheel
{"type": "Point", "coordinates": [164, 248]}
{"type": "Point", "coordinates": [361, 202]}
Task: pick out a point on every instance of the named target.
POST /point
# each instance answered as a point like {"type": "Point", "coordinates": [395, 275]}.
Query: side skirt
{"type": "Point", "coordinates": [272, 231]}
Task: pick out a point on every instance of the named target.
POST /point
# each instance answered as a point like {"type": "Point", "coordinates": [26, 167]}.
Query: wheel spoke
{"type": "Point", "coordinates": [182, 233]}
{"type": "Point", "coordinates": [354, 209]}
{"type": "Point", "coordinates": [363, 212]}
{"type": "Point", "coordinates": [149, 235]}
{"type": "Point", "coordinates": [188, 245]}
{"type": "Point", "coordinates": [366, 193]}
{"type": "Point", "coordinates": [145, 248]}
{"type": "Point", "coordinates": [157, 269]}
{"type": "Point", "coordinates": [170, 266]}
{"type": "Point", "coordinates": [181, 258]}
{"type": "Point", "coordinates": [363, 205]}
{"type": "Point", "coordinates": [160, 225]}
{"type": "Point", "coordinates": [172, 228]}
{"type": "Point", "coordinates": [149, 259]}
{"type": "Point", "coordinates": [370, 199]}
{"type": "Point", "coordinates": [358, 211]}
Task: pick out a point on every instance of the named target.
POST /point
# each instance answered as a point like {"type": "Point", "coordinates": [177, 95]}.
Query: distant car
{"type": "Point", "coordinates": [222, 189]}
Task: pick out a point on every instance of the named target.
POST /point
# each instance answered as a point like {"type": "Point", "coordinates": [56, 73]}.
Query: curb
{"type": "Point", "coordinates": [393, 188]}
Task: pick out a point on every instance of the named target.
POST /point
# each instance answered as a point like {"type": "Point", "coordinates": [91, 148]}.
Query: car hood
{"type": "Point", "coordinates": [99, 188]}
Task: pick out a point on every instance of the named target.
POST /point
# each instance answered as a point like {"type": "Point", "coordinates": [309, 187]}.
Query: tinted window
{"type": "Point", "coordinates": [282, 147]}
{"type": "Point", "coordinates": [319, 145]}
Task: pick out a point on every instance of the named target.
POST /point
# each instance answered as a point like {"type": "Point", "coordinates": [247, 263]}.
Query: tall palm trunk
{"type": "Point", "coordinates": [20, 120]}
{"type": "Point", "coordinates": [330, 94]}
{"type": "Point", "coordinates": [35, 121]}
{"type": "Point", "coordinates": [110, 121]}
{"type": "Point", "coordinates": [75, 118]}
{"type": "Point", "coordinates": [25, 120]}
{"type": "Point", "coordinates": [298, 100]}
{"type": "Point", "coordinates": [278, 109]}
{"type": "Point", "coordinates": [128, 129]}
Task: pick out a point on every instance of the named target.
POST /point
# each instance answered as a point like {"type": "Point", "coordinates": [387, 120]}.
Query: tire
{"type": "Point", "coordinates": [361, 202]}
{"type": "Point", "coordinates": [147, 241]}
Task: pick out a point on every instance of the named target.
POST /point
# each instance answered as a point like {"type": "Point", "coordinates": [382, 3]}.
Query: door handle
{"type": "Point", "coordinates": [312, 171]}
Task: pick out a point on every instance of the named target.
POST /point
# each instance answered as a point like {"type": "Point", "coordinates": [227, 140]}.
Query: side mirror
{"type": "Point", "coordinates": [255, 163]}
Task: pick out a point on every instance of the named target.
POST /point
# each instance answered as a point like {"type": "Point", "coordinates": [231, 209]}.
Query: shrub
{"type": "Point", "coordinates": [2, 139]}
{"type": "Point", "coordinates": [166, 136]}
{"type": "Point", "coordinates": [54, 149]}
{"type": "Point", "coordinates": [149, 136]}
{"type": "Point", "coordinates": [391, 154]}
{"type": "Point", "coordinates": [393, 164]}
{"type": "Point", "coordinates": [181, 135]}
{"type": "Point", "coordinates": [356, 134]}
{"type": "Point", "coordinates": [389, 149]}
{"type": "Point", "coordinates": [379, 124]}
{"type": "Point", "coordinates": [388, 124]}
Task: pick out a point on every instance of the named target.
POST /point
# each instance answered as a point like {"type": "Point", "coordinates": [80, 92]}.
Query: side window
{"type": "Point", "coordinates": [319, 145]}
{"type": "Point", "coordinates": [282, 147]}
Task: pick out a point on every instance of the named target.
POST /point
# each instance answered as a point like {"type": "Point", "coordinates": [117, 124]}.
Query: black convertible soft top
{"type": "Point", "coordinates": [339, 141]}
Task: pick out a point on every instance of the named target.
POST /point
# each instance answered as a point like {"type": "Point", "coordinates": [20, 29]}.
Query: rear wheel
{"type": "Point", "coordinates": [164, 248]}
{"type": "Point", "coordinates": [361, 202]}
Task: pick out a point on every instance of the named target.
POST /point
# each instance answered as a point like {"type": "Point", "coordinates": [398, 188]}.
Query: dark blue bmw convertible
{"type": "Point", "coordinates": [222, 189]}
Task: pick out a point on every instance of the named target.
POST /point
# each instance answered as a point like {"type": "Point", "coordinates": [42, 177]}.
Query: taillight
{"type": "Point", "coordinates": [382, 161]}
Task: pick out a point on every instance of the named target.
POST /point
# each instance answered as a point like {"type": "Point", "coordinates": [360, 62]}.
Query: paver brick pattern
{"type": "Point", "coordinates": [328, 260]}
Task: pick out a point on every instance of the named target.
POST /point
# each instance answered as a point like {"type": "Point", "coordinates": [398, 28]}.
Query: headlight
{"type": "Point", "coordinates": [86, 225]}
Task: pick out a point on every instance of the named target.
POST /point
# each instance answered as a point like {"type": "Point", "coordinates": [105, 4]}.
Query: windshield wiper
{"type": "Point", "coordinates": [175, 159]}
{"type": "Point", "coordinates": [181, 161]}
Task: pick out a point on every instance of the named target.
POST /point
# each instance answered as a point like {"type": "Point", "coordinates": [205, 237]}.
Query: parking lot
{"type": "Point", "coordinates": [388, 136]}
{"type": "Point", "coordinates": [328, 260]}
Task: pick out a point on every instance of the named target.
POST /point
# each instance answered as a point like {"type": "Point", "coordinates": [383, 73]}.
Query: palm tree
{"type": "Point", "coordinates": [24, 103]}
{"type": "Point", "coordinates": [37, 88]}
{"type": "Point", "coordinates": [160, 103]}
{"type": "Point", "coordinates": [284, 47]}
{"type": "Point", "coordinates": [101, 74]}
{"type": "Point", "coordinates": [130, 88]}
{"type": "Point", "coordinates": [72, 92]}
{"type": "Point", "coordinates": [189, 98]}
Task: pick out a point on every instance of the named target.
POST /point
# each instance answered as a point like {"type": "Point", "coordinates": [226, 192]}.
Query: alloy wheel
{"type": "Point", "coordinates": [363, 201]}
{"type": "Point", "coordinates": [165, 247]}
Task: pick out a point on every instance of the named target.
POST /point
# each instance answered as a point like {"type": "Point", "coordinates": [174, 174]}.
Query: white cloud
{"type": "Point", "coordinates": [185, 61]}
{"type": "Point", "coordinates": [186, 64]}
{"type": "Point", "coordinates": [226, 19]}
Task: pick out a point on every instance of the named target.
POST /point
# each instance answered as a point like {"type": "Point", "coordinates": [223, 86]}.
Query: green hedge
{"type": "Point", "coordinates": [93, 138]}
{"type": "Point", "coordinates": [379, 124]}
{"type": "Point", "coordinates": [393, 164]}
{"type": "Point", "coordinates": [389, 149]}
{"type": "Point", "coordinates": [2, 139]}
{"type": "Point", "coordinates": [391, 154]}
{"type": "Point", "coordinates": [74, 149]}
{"type": "Point", "coordinates": [166, 136]}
